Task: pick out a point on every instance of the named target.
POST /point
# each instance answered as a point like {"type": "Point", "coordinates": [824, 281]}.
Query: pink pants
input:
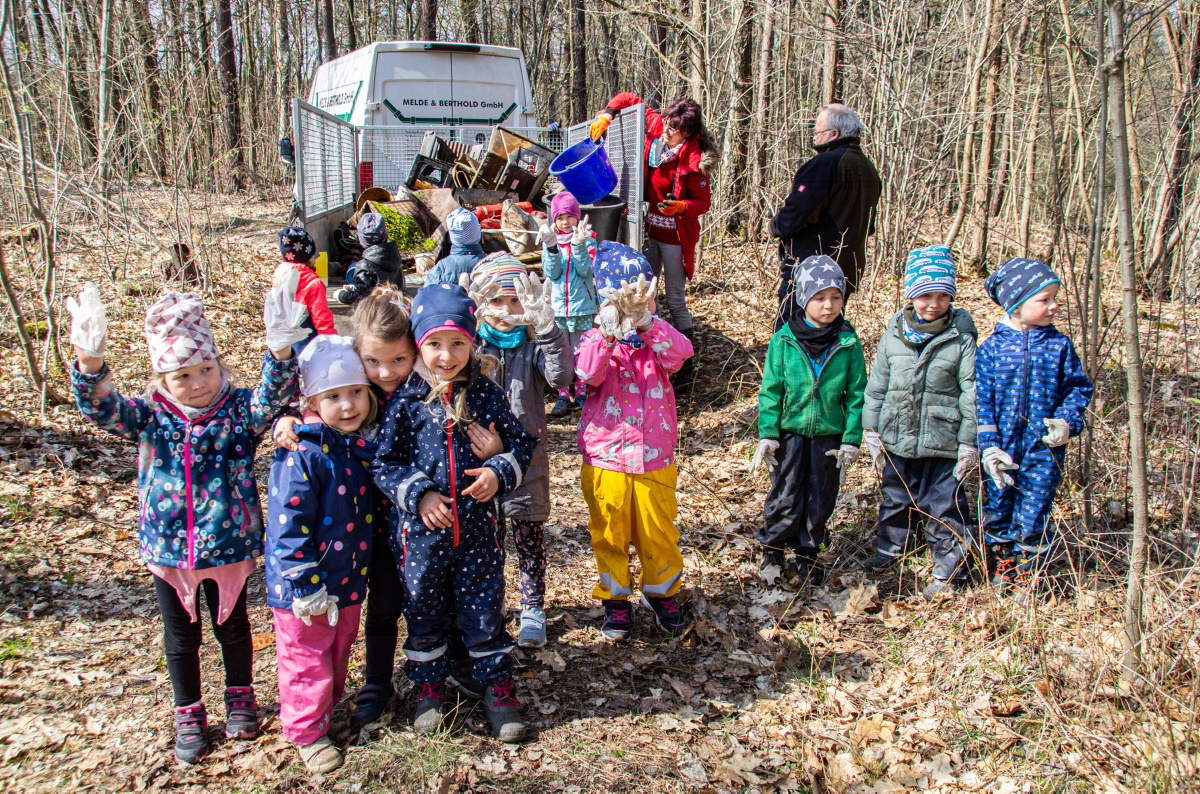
{"type": "Point", "coordinates": [312, 663]}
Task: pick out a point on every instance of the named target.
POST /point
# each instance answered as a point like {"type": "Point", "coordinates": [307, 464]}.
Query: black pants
{"type": "Point", "coordinates": [804, 491]}
{"type": "Point", "coordinates": [385, 603]}
{"type": "Point", "coordinates": [923, 491]}
{"type": "Point", "coordinates": [182, 638]}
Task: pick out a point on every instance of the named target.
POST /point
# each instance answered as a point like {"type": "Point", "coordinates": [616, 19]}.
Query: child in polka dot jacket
{"type": "Point", "coordinates": [321, 512]}
{"type": "Point", "coordinates": [200, 525]}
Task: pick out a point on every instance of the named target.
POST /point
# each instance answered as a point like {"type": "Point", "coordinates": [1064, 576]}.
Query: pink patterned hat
{"type": "Point", "coordinates": [177, 333]}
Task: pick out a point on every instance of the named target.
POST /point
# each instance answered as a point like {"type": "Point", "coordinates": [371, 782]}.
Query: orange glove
{"type": "Point", "coordinates": [671, 207]}
{"type": "Point", "coordinates": [599, 126]}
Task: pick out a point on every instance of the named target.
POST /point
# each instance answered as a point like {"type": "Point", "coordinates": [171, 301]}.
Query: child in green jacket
{"type": "Point", "coordinates": [809, 419]}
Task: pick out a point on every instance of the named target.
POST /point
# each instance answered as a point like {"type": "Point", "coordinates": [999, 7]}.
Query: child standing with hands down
{"type": "Point", "coordinates": [443, 522]}
{"type": "Point", "coordinates": [1031, 391]}
{"type": "Point", "coordinates": [320, 520]}
{"type": "Point", "coordinates": [627, 435]}
{"type": "Point", "coordinates": [200, 525]}
{"type": "Point", "coordinates": [919, 422]}
{"type": "Point", "coordinates": [809, 419]}
{"type": "Point", "coordinates": [533, 352]}
{"type": "Point", "coordinates": [298, 250]}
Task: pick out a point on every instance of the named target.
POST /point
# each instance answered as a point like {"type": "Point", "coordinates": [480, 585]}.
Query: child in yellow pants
{"type": "Point", "coordinates": [627, 436]}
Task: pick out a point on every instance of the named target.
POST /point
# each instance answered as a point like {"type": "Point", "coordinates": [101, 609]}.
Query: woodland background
{"type": "Point", "coordinates": [1054, 129]}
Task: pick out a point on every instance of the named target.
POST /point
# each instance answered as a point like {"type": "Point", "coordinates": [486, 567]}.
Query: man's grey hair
{"type": "Point", "coordinates": [843, 119]}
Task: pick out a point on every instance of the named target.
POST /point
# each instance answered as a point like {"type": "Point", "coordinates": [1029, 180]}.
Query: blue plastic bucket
{"type": "Point", "coordinates": [584, 170]}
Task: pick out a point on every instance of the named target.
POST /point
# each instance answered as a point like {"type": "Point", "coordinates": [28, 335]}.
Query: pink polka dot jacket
{"type": "Point", "coordinates": [199, 499]}
{"type": "Point", "coordinates": [322, 508]}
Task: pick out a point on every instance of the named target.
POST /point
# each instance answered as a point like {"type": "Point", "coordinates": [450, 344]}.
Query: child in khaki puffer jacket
{"type": "Point", "coordinates": [919, 423]}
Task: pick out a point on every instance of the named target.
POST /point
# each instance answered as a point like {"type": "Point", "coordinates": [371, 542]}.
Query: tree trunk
{"type": "Point", "coordinates": [968, 155]}
{"type": "Point", "coordinates": [698, 72]}
{"type": "Point", "coordinates": [982, 203]}
{"type": "Point", "coordinates": [283, 62]}
{"type": "Point", "coordinates": [658, 38]}
{"type": "Point", "coordinates": [231, 115]}
{"type": "Point", "coordinates": [351, 35]}
{"type": "Point", "coordinates": [832, 13]}
{"type": "Point", "coordinates": [470, 15]}
{"type": "Point", "coordinates": [760, 123]}
{"type": "Point", "coordinates": [428, 23]}
{"type": "Point", "coordinates": [103, 96]}
{"type": "Point", "coordinates": [579, 96]}
{"type": "Point", "coordinates": [328, 31]}
{"type": "Point", "coordinates": [1139, 548]}
{"type": "Point", "coordinates": [145, 33]}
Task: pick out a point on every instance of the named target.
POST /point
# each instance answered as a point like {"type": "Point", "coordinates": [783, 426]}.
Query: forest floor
{"type": "Point", "coordinates": [858, 685]}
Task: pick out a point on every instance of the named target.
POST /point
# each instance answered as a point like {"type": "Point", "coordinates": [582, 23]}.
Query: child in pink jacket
{"type": "Point", "coordinates": [627, 436]}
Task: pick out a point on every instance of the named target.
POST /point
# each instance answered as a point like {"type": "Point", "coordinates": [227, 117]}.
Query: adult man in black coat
{"type": "Point", "coordinates": [831, 207]}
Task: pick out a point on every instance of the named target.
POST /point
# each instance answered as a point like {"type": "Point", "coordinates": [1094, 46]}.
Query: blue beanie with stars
{"type": "Point", "coordinates": [616, 263]}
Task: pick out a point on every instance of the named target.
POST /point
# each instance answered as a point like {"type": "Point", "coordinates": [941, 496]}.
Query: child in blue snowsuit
{"type": "Point", "coordinates": [444, 520]}
{"type": "Point", "coordinates": [465, 249]}
{"type": "Point", "coordinates": [321, 513]}
{"type": "Point", "coordinates": [1031, 393]}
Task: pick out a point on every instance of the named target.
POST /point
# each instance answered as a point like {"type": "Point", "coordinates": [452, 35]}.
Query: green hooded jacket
{"type": "Point", "coordinates": [795, 400]}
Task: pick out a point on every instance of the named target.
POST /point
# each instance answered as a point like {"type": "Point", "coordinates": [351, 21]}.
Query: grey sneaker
{"type": "Point", "coordinates": [430, 698]}
{"type": "Point", "coordinates": [533, 628]}
{"type": "Point", "coordinates": [938, 588]}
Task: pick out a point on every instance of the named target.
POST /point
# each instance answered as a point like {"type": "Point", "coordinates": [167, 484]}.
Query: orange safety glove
{"type": "Point", "coordinates": [671, 207]}
{"type": "Point", "coordinates": [599, 126]}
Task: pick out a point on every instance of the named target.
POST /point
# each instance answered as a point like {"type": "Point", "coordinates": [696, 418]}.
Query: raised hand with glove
{"type": "Point", "coordinates": [483, 289]}
{"type": "Point", "coordinates": [89, 327]}
{"type": "Point", "coordinates": [283, 315]}
{"type": "Point", "coordinates": [582, 232]}
{"type": "Point", "coordinates": [634, 302]}
{"type": "Point", "coordinates": [547, 236]}
{"type": "Point", "coordinates": [968, 459]}
{"type": "Point", "coordinates": [319, 603]}
{"type": "Point", "coordinates": [535, 300]}
{"type": "Point", "coordinates": [600, 125]}
{"type": "Point", "coordinates": [1058, 432]}
{"type": "Point", "coordinates": [765, 453]}
{"type": "Point", "coordinates": [997, 463]}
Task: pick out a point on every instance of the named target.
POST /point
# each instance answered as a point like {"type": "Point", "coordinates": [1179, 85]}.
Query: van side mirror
{"type": "Point", "coordinates": [287, 152]}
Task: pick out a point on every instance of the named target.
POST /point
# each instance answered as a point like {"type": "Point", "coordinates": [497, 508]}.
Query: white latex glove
{"type": "Point", "coordinates": [997, 463]}
{"type": "Point", "coordinates": [765, 453]}
{"type": "Point", "coordinates": [319, 603]}
{"type": "Point", "coordinates": [608, 320]}
{"type": "Point", "coordinates": [535, 299]}
{"type": "Point", "coordinates": [546, 236]}
{"type": "Point", "coordinates": [846, 455]}
{"type": "Point", "coordinates": [1058, 432]}
{"type": "Point", "coordinates": [282, 314]}
{"type": "Point", "coordinates": [968, 459]}
{"type": "Point", "coordinates": [874, 445]}
{"type": "Point", "coordinates": [582, 233]}
{"type": "Point", "coordinates": [482, 289]}
{"type": "Point", "coordinates": [89, 323]}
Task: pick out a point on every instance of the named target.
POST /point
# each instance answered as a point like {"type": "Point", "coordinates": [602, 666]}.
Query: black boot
{"type": "Point", "coordinates": [687, 373]}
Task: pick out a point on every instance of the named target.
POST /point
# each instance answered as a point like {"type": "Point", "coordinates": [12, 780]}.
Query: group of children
{"type": "Point", "coordinates": [931, 402]}
{"type": "Point", "coordinates": [412, 447]}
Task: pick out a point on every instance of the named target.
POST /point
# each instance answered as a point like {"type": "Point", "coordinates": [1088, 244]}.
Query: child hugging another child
{"type": "Point", "coordinates": [919, 423]}
{"type": "Point", "coordinates": [200, 525]}
{"type": "Point", "coordinates": [809, 420]}
{"type": "Point", "coordinates": [1031, 393]}
{"type": "Point", "coordinates": [627, 435]}
{"type": "Point", "coordinates": [568, 250]}
{"type": "Point", "coordinates": [444, 523]}
{"type": "Point", "coordinates": [322, 509]}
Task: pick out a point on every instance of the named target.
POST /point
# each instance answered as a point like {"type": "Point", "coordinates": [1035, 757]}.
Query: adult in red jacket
{"type": "Point", "coordinates": [680, 154]}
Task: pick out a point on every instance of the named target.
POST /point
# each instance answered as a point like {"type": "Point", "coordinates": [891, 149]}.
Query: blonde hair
{"type": "Point", "coordinates": [383, 315]}
{"type": "Point", "coordinates": [372, 412]}
{"type": "Point", "coordinates": [438, 389]}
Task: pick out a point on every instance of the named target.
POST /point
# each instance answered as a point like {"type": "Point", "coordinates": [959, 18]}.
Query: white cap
{"type": "Point", "coordinates": [329, 362]}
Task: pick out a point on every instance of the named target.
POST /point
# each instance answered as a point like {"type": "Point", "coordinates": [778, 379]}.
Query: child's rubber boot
{"type": "Point", "coordinates": [770, 567]}
{"type": "Point", "coordinates": [241, 713]}
{"type": "Point", "coordinates": [321, 756]}
{"type": "Point", "coordinates": [667, 613]}
{"type": "Point", "coordinates": [810, 572]}
{"type": "Point", "coordinates": [370, 704]}
{"type": "Point", "coordinates": [617, 625]}
{"type": "Point", "coordinates": [500, 705]}
{"type": "Point", "coordinates": [430, 698]}
{"type": "Point", "coordinates": [191, 733]}
{"type": "Point", "coordinates": [580, 399]}
{"type": "Point", "coordinates": [533, 628]}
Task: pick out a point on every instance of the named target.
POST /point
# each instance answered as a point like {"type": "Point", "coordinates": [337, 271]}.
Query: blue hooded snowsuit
{"type": "Point", "coordinates": [461, 259]}
{"type": "Point", "coordinates": [1021, 379]}
{"type": "Point", "coordinates": [421, 451]}
{"type": "Point", "coordinates": [322, 508]}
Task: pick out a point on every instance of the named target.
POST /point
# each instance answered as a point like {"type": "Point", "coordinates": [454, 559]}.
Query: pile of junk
{"type": "Point", "coordinates": [507, 182]}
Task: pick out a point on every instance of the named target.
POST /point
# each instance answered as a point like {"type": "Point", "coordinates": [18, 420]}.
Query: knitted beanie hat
{"type": "Point", "coordinates": [503, 264]}
{"type": "Point", "coordinates": [814, 274]}
{"type": "Point", "coordinates": [442, 307]}
{"type": "Point", "coordinates": [1018, 280]}
{"type": "Point", "coordinates": [329, 362]}
{"type": "Point", "coordinates": [563, 203]}
{"type": "Point", "coordinates": [463, 227]}
{"type": "Point", "coordinates": [616, 263]}
{"type": "Point", "coordinates": [372, 230]}
{"type": "Point", "coordinates": [178, 333]}
{"type": "Point", "coordinates": [296, 245]}
{"type": "Point", "coordinates": [929, 269]}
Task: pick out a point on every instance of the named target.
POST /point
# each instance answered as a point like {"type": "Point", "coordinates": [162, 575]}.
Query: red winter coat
{"type": "Point", "coordinates": [311, 292]}
{"type": "Point", "coordinates": [686, 176]}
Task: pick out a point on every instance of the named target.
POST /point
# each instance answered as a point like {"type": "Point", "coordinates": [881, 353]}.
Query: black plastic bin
{"type": "Point", "coordinates": [605, 217]}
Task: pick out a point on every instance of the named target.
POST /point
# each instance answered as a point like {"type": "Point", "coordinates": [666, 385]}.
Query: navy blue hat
{"type": "Point", "coordinates": [616, 263]}
{"type": "Point", "coordinates": [371, 229]}
{"type": "Point", "coordinates": [296, 245]}
{"type": "Point", "coordinates": [442, 307]}
{"type": "Point", "coordinates": [1018, 280]}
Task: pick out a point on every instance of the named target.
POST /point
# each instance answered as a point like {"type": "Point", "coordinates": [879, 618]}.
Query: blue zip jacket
{"type": "Point", "coordinates": [322, 506]}
{"type": "Point", "coordinates": [196, 486]}
{"type": "Point", "coordinates": [1023, 378]}
{"type": "Point", "coordinates": [420, 452]}
{"type": "Point", "coordinates": [461, 259]}
{"type": "Point", "coordinates": [570, 271]}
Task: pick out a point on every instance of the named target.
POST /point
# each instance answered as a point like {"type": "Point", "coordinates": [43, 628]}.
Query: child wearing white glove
{"type": "Point", "coordinates": [809, 420]}
{"type": "Point", "coordinates": [321, 516]}
{"type": "Point", "coordinates": [200, 525]}
{"type": "Point", "coordinates": [919, 424]}
{"type": "Point", "coordinates": [568, 254]}
{"type": "Point", "coordinates": [518, 330]}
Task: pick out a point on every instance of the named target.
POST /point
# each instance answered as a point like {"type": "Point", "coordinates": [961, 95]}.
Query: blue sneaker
{"type": "Point", "coordinates": [562, 407]}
